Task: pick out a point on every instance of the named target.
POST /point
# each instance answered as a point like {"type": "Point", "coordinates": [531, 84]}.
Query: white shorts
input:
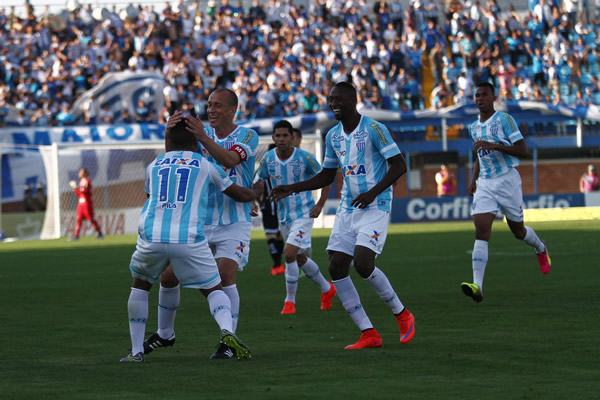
{"type": "Point", "coordinates": [503, 193]}
{"type": "Point", "coordinates": [298, 233]}
{"type": "Point", "coordinates": [193, 263]}
{"type": "Point", "coordinates": [366, 228]}
{"type": "Point", "coordinates": [230, 241]}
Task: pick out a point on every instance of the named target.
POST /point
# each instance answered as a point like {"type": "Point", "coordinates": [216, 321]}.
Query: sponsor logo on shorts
{"type": "Point", "coordinates": [241, 247]}
{"type": "Point", "coordinates": [300, 234]}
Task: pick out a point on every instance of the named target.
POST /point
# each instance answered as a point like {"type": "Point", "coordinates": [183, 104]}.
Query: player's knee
{"type": "Point", "coordinates": [168, 279]}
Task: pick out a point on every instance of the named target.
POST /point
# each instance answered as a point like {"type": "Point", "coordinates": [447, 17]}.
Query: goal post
{"type": "Point", "coordinates": [117, 173]}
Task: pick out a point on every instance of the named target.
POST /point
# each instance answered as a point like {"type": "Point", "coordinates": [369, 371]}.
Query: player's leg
{"type": "Point", "coordinates": [231, 248]}
{"type": "Point", "coordinates": [511, 201]}
{"type": "Point", "coordinates": [90, 217]}
{"type": "Point", "coordinates": [292, 273]}
{"type": "Point", "coordinates": [80, 218]}
{"type": "Point", "coordinates": [168, 301]}
{"type": "Point", "coordinates": [137, 311]}
{"type": "Point", "coordinates": [274, 239]}
{"type": "Point", "coordinates": [369, 243]}
{"type": "Point", "coordinates": [479, 256]}
{"type": "Point", "coordinates": [195, 268]}
{"type": "Point", "coordinates": [147, 261]}
{"type": "Point", "coordinates": [313, 272]}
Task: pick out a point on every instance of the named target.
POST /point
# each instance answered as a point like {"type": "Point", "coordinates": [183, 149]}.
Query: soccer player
{"type": "Point", "coordinates": [171, 231]}
{"type": "Point", "coordinates": [287, 164]}
{"type": "Point", "coordinates": [85, 206]}
{"type": "Point", "coordinates": [227, 222]}
{"type": "Point", "coordinates": [275, 241]}
{"type": "Point", "coordinates": [496, 185]}
{"type": "Point", "coordinates": [371, 162]}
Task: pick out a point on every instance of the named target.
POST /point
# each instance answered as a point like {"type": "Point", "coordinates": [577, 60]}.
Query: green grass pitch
{"type": "Point", "coordinates": [64, 324]}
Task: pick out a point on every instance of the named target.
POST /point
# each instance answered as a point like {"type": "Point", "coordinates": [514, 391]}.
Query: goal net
{"type": "Point", "coordinates": [116, 172]}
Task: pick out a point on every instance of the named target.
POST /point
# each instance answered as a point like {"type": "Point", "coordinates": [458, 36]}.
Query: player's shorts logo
{"type": "Point", "coordinates": [375, 236]}
{"type": "Point", "coordinates": [241, 247]}
{"type": "Point", "coordinates": [300, 234]}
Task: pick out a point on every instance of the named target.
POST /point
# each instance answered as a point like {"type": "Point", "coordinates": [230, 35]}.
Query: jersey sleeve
{"type": "Point", "coordinates": [510, 127]}
{"type": "Point", "coordinates": [331, 160]}
{"type": "Point", "coordinates": [311, 164]}
{"type": "Point", "coordinates": [217, 176]}
{"type": "Point", "coordinates": [245, 146]}
{"type": "Point", "coordinates": [262, 171]}
{"type": "Point", "coordinates": [383, 140]}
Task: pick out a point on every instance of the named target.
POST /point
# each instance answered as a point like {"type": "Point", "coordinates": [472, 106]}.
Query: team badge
{"type": "Point", "coordinates": [360, 145]}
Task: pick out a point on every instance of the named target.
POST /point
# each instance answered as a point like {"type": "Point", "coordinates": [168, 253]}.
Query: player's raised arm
{"type": "Point", "coordinates": [322, 179]}
{"type": "Point", "coordinates": [396, 170]}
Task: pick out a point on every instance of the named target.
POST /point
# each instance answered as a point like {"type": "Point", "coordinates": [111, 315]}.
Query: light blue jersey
{"type": "Point", "coordinates": [177, 184]}
{"type": "Point", "coordinates": [299, 167]}
{"type": "Point", "coordinates": [223, 210]}
{"type": "Point", "coordinates": [499, 128]}
{"type": "Point", "coordinates": [362, 155]}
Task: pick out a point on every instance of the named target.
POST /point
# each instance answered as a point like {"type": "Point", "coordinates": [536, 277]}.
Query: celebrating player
{"type": "Point", "coordinates": [227, 222]}
{"type": "Point", "coordinates": [496, 185]}
{"type": "Point", "coordinates": [371, 162]}
{"type": "Point", "coordinates": [283, 165]}
{"type": "Point", "coordinates": [171, 231]}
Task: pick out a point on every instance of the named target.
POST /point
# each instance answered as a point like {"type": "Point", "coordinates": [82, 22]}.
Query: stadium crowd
{"type": "Point", "coordinates": [281, 58]}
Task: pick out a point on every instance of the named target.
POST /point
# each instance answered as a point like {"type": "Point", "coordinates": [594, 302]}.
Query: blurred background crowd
{"type": "Point", "coordinates": [281, 57]}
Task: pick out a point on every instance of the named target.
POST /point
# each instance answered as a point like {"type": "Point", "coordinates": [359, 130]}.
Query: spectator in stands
{"type": "Point", "coordinates": [445, 182]}
{"type": "Point", "coordinates": [90, 110]}
{"type": "Point", "coordinates": [142, 112]}
{"type": "Point", "coordinates": [589, 181]}
{"type": "Point", "coordinates": [106, 115]}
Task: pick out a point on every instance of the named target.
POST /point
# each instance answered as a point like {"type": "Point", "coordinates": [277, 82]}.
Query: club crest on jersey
{"type": "Point", "coordinates": [360, 145]}
{"type": "Point", "coordinates": [229, 143]}
{"type": "Point", "coordinates": [494, 130]}
{"type": "Point", "coordinates": [354, 170]}
{"type": "Point", "coordinates": [360, 135]}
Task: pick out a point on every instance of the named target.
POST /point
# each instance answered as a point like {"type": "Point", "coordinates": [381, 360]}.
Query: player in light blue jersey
{"type": "Point", "coordinates": [171, 231]}
{"type": "Point", "coordinates": [228, 223]}
{"type": "Point", "coordinates": [496, 185]}
{"type": "Point", "coordinates": [370, 162]}
{"type": "Point", "coordinates": [283, 165]}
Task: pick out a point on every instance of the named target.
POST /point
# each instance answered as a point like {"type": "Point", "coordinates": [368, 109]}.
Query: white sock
{"type": "Point", "coordinates": [480, 258]}
{"type": "Point", "coordinates": [532, 239]}
{"type": "Point", "coordinates": [137, 309]}
{"type": "Point", "coordinates": [220, 308]}
{"type": "Point", "coordinates": [168, 302]}
{"type": "Point", "coordinates": [351, 301]}
{"type": "Point", "coordinates": [234, 298]}
{"type": "Point", "coordinates": [312, 271]}
{"type": "Point", "coordinates": [384, 289]}
{"type": "Point", "coordinates": [291, 281]}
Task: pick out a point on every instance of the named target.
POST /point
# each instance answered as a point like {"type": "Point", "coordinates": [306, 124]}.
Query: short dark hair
{"type": "Point", "coordinates": [297, 132]}
{"type": "Point", "coordinates": [486, 84]}
{"type": "Point", "coordinates": [180, 137]}
{"type": "Point", "coordinates": [232, 98]}
{"type": "Point", "coordinates": [284, 123]}
{"type": "Point", "coordinates": [348, 87]}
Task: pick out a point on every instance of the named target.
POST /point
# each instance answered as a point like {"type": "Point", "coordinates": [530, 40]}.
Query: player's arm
{"type": "Point", "coordinates": [317, 208]}
{"type": "Point", "coordinates": [241, 194]}
{"type": "Point", "coordinates": [517, 149]}
{"type": "Point", "coordinates": [320, 180]}
{"type": "Point", "coordinates": [227, 158]}
{"type": "Point", "coordinates": [473, 185]}
{"type": "Point", "coordinates": [397, 168]}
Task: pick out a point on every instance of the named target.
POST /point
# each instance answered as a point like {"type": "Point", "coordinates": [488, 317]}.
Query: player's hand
{"type": "Point", "coordinates": [363, 200]}
{"type": "Point", "coordinates": [280, 192]}
{"type": "Point", "coordinates": [315, 211]}
{"type": "Point", "coordinates": [254, 212]}
{"type": "Point", "coordinates": [472, 188]}
{"type": "Point", "coordinates": [195, 125]}
{"type": "Point", "coordinates": [173, 120]}
{"type": "Point", "coordinates": [483, 145]}
{"type": "Point", "coordinates": [73, 185]}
